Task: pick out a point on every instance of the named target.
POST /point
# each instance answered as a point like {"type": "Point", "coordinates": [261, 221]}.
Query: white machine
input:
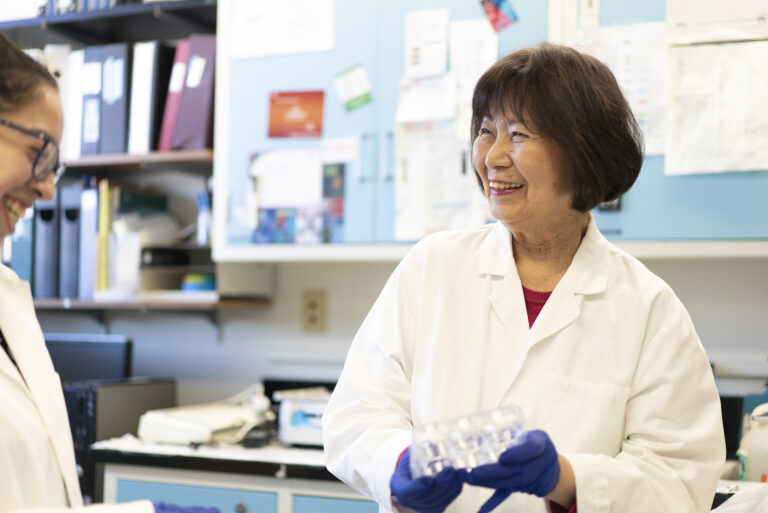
{"type": "Point", "coordinates": [222, 421]}
{"type": "Point", "coordinates": [300, 415]}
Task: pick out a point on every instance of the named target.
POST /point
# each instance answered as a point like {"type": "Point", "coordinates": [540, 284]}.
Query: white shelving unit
{"type": "Point", "coordinates": [643, 250]}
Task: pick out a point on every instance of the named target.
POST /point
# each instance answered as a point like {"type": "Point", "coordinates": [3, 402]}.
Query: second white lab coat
{"type": "Point", "coordinates": [37, 457]}
{"type": "Point", "coordinates": [612, 370]}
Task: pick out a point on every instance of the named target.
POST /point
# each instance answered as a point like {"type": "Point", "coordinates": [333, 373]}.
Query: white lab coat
{"type": "Point", "coordinates": [37, 459]}
{"type": "Point", "coordinates": [612, 370]}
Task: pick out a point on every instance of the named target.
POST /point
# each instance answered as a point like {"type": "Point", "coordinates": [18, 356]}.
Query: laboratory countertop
{"type": "Point", "coordinates": [271, 460]}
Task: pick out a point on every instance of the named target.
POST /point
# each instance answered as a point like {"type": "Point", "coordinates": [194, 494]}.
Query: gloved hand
{"type": "Point", "coordinates": [530, 467]}
{"type": "Point", "coordinates": [165, 507]}
{"type": "Point", "coordinates": [426, 494]}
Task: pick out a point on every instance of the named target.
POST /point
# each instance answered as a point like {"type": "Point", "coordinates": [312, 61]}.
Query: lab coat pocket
{"type": "Point", "coordinates": [583, 417]}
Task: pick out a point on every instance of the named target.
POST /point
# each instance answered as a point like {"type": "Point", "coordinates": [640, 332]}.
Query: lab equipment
{"type": "Point", "coordinates": [465, 442]}
{"type": "Point", "coordinates": [228, 420]}
{"type": "Point", "coordinates": [753, 451]}
{"type": "Point", "coordinates": [300, 415]}
{"type": "Point", "coordinates": [425, 494]}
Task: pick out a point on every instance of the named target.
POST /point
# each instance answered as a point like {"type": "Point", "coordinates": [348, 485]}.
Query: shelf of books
{"type": "Point", "coordinates": [195, 160]}
{"type": "Point", "coordinates": [155, 302]}
{"type": "Point", "coordinates": [91, 22]}
{"type": "Point", "coordinates": [136, 80]}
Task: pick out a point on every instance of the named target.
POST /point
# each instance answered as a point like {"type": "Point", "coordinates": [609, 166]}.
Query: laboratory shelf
{"type": "Point", "coordinates": [695, 249]}
{"type": "Point", "coordinates": [172, 302]}
{"type": "Point", "coordinates": [192, 161]}
{"type": "Point", "coordinates": [394, 252]}
{"type": "Point", "coordinates": [127, 22]}
{"type": "Point", "coordinates": [340, 252]}
{"type": "Point", "coordinates": [149, 304]}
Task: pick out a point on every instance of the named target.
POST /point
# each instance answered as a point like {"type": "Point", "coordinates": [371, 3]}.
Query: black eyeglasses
{"type": "Point", "coordinates": [47, 159]}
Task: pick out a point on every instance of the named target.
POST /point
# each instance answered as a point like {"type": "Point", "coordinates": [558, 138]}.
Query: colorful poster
{"type": "Point", "coordinates": [309, 226]}
{"type": "Point", "coordinates": [353, 88]}
{"type": "Point", "coordinates": [276, 225]}
{"type": "Point", "coordinates": [500, 13]}
{"type": "Point", "coordinates": [333, 203]}
{"type": "Point", "coordinates": [296, 114]}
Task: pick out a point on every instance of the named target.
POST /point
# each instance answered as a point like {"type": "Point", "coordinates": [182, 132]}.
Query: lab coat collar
{"type": "Point", "coordinates": [587, 273]}
{"type": "Point", "coordinates": [20, 329]}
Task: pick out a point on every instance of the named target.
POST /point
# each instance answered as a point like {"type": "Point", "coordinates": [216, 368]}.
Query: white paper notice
{"type": "Point", "coordinates": [426, 99]}
{"type": "Point", "coordinates": [426, 42]}
{"type": "Point", "coordinates": [337, 150]}
{"type": "Point", "coordinates": [474, 47]}
{"type": "Point", "coordinates": [637, 56]}
{"type": "Point", "coordinates": [697, 21]}
{"type": "Point", "coordinates": [270, 28]}
{"type": "Point", "coordinates": [289, 178]}
{"type": "Point", "coordinates": [718, 110]}
{"type": "Point", "coordinates": [435, 186]}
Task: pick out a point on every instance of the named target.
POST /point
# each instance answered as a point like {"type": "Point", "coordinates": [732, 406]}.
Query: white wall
{"type": "Point", "coordinates": [728, 300]}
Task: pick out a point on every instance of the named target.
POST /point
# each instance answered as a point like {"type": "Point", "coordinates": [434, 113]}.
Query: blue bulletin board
{"type": "Point", "coordinates": [691, 207]}
{"type": "Point", "coordinates": [371, 34]}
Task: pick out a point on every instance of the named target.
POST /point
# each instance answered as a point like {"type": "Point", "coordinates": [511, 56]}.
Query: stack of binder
{"type": "Point", "coordinates": [135, 97]}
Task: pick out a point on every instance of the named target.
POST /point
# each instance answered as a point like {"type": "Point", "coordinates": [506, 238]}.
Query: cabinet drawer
{"type": "Point", "coordinates": [226, 499]}
{"type": "Point", "coordinates": [311, 504]}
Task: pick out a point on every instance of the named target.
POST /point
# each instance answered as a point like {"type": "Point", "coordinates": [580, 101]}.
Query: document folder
{"type": "Point", "coordinates": [69, 234]}
{"type": "Point", "coordinates": [46, 249]}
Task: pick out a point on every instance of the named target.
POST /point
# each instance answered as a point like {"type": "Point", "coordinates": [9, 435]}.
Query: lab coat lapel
{"type": "Point", "coordinates": [587, 274]}
{"type": "Point", "coordinates": [25, 339]}
{"type": "Point", "coordinates": [506, 300]}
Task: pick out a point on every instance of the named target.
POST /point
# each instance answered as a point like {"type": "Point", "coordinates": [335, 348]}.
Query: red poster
{"type": "Point", "coordinates": [296, 114]}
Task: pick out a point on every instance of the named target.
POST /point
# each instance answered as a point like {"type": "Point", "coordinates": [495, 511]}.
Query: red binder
{"type": "Point", "coordinates": [173, 100]}
{"type": "Point", "coordinates": [194, 127]}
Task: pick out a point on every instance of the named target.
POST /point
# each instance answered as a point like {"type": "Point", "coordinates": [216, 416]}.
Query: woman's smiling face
{"type": "Point", "coordinates": [521, 172]}
{"type": "Point", "coordinates": [18, 189]}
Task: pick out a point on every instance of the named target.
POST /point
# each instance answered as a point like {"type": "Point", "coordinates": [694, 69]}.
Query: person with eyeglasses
{"type": "Point", "coordinates": [37, 456]}
{"type": "Point", "coordinates": [540, 311]}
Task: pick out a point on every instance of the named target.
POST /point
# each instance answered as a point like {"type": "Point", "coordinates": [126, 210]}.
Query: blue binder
{"type": "Point", "coordinates": [46, 264]}
{"type": "Point", "coordinates": [91, 85]}
{"type": "Point", "coordinates": [89, 215]}
{"type": "Point", "coordinates": [115, 92]}
{"type": "Point", "coordinates": [69, 235]}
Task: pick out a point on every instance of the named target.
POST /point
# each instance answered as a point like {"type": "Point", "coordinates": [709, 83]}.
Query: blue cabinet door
{"type": "Point", "coordinates": [530, 29]}
{"type": "Point", "coordinates": [254, 79]}
{"type": "Point", "coordinates": [685, 207]}
{"type": "Point", "coordinates": [312, 504]}
{"type": "Point", "coordinates": [225, 499]}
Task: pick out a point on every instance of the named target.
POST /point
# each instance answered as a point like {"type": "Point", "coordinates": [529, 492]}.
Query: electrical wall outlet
{"type": "Point", "coordinates": [313, 310]}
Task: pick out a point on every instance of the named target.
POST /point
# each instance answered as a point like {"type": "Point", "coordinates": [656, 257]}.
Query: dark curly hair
{"type": "Point", "coordinates": [20, 77]}
{"type": "Point", "coordinates": [574, 99]}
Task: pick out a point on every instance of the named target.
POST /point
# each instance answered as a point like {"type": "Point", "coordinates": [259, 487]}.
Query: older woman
{"type": "Point", "coordinates": [537, 310]}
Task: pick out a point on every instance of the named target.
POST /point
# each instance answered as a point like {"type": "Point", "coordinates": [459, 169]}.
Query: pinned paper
{"type": "Point", "coordinates": [260, 29]}
{"type": "Point", "coordinates": [353, 87]}
{"type": "Point", "coordinates": [426, 42]}
{"type": "Point", "coordinates": [296, 114]}
{"type": "Point", "coordinates": [426, 99]}
{"type": "Point", "coordinates": [500, 13]}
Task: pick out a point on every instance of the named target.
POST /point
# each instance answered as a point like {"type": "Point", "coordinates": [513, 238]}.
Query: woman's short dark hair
{"type": "Point", "coordinates": [20, 77]}
{"type": "Point", "coordinates": [574, 99]}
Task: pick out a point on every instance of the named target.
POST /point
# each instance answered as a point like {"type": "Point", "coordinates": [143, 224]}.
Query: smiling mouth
{"type": "Point", "coordinates": [15, 208]}
{"type": "Point", "coordinates": [504, 186]}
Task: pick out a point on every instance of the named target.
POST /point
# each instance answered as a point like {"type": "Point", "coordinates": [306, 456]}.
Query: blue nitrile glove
{"type": "Point", "coordinates": [529, 467]}
{"type": "Point", "coordinates": [426, 494]}
{"type": "Point", "coordinates": [165, 507]}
